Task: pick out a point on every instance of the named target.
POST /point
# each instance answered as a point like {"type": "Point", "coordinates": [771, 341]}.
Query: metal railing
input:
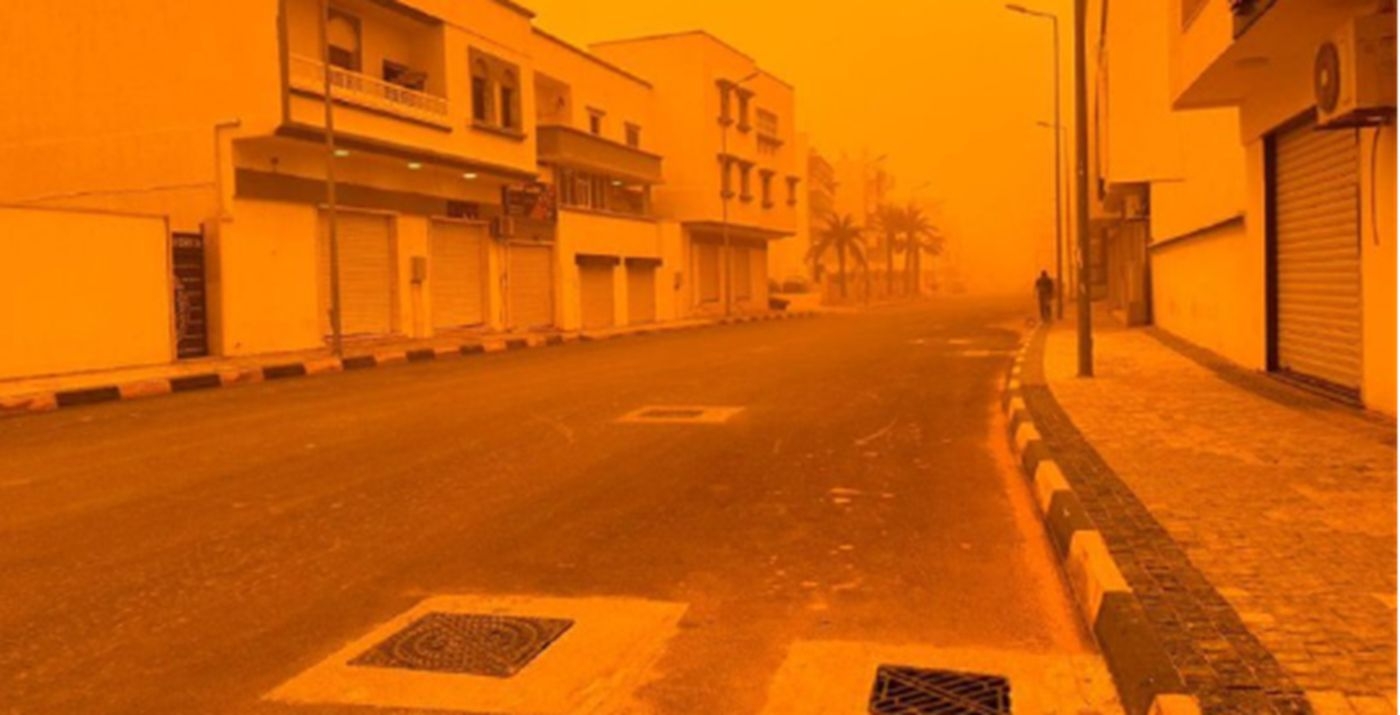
{"type": "Point", "coordinates": [305, 73]}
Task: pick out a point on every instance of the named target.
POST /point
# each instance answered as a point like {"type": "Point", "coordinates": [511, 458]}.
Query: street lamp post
{"type": "Point", "coordinates": [334, 243]}
{"type": "Point", "coordinates": [724, 208]}
{"type": "Point", "coordinates": [1059, 200]}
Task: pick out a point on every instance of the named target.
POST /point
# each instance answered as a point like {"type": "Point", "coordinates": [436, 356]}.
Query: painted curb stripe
{"type": "Point", "coordinates": [1139, 665]}
{"type": "Point", "coordinates": [89, 396]}
{"type": "Point", "coordinates": [1026, 433]}
{"type": "Point", "coordinates": [189, 383]}
{"type": "Point", "coordinates": [1066, 516]}
{"type": "Point", "coordinates": [1048, 479]}
{"type": "Point", "coordinates": [229, 376]}
{"type": "Point", "coordinates": [1092, 571]}
{"type": "Point", "coordinates": [1176, 704]}
{"type": "Point", "coordinates": [281, 372]}
{"type": "Point", "coordinates": [359, 362]}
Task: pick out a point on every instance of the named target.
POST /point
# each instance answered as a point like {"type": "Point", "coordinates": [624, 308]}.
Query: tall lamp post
{"type": "Point", "coordinates": [1059, 200]}
{"type": "Point", "coordinates": [334, 247]}
{"type": "Point", "coordinates": [724, 206]}
{"type": "Point", "coordinates": [1063, 177]}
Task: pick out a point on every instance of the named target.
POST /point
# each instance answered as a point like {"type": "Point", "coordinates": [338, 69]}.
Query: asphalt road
{"type": "Point", "coordinates": [188, 554]}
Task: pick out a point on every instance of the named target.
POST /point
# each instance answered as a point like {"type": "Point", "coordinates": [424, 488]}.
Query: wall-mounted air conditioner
{"type": "Point", "coordinates": [1354, 73]}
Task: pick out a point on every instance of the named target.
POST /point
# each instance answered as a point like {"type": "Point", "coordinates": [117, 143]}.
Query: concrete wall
{"type": "Point", "coordinates": [593, 84]}
{"type": "Point", "coordinates": [581, 232]}
{"type": "Point", "coordinates": [83, 291]}
{"type": "Point", "coordinates": [265, 280]}
{"type": "Point", "coordinates": [1209, 289]}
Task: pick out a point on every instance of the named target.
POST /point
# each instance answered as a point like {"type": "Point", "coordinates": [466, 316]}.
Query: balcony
{"type": "Point", "coordinates": [306, 74]}
{"type": "Point", "coordinates": [566, 146]}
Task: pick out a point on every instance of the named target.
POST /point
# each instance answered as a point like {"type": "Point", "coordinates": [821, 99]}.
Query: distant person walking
{"type": "Point", "coordinates": [1044, 291]}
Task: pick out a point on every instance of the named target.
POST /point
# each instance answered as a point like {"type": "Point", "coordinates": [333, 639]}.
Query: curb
{"type": "Point", "coordinates": [231, 375]}
{"type": "Point", "coordinates": [1147, 682]}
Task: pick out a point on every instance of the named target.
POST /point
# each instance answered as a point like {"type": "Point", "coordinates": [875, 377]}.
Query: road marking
{"type": "Point", "coordinates": [680, 414]}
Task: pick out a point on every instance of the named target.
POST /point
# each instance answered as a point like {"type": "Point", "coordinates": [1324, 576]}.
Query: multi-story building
{"type": "Point", "coordinates": [597, 146]}
{"type": "Point", "coordinates": [732, 172]}
{"type": "Point", "coordinates": [486, 176]}
{"type": "Point", "coordinates": [821, 205]}
{"type": "Point", "coordinates": [1259, 140]}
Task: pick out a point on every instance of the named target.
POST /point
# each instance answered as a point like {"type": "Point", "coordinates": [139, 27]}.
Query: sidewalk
{"type": "Point", "coordinates": [1242, 513]}
{"type": "Point", "coordinates": [45, 393]}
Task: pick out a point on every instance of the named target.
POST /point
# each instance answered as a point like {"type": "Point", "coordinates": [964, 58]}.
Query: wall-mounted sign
{"type": "Point", "coordinates": [534, 201]}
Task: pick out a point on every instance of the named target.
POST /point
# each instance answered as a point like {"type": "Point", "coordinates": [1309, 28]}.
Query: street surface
{"type": "Point", "coordinates": [190, 554]}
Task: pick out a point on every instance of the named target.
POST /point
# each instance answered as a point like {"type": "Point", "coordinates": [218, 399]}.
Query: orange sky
{"type": "Point", "coordinates": [949, 89]}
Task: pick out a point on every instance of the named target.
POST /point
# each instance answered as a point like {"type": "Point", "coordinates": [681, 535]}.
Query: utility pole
{"type": "Point", "coordinates": [1081, 130]}
{"type": "Point", "coordinates": [334, 245]}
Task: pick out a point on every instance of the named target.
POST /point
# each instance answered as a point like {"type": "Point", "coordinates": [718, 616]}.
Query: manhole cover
{"type": "Point", "coordinates": [466, 643]}
{"type": "Point", "coordinates": [902, 690]}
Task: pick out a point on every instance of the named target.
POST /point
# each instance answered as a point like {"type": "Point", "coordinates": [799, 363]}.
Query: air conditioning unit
{"type": "Point", "coordinates": [1354, 73]}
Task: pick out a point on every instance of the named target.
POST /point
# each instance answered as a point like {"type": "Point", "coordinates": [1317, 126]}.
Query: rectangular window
{"type": "Point", "coordinates": [481, 99]}
{"type": "Point", "coordinates": [792, 182]}
{"type": "Point", "coordinates": [343, 40]}
{"type": "Point", "coordinates": [767, 123]}
{"type": "Point", "coordinates": [766, 186]}
{"type": "Point", "coordinates": [726, 182]}
{"type": "Point", "coordinates": [508, 107]}
{"type": "Point", "coordinates": [724, 104]}
{"type": "Point", "coordinates": [634, 136]}
{"type": "Point", "coordinates": [404, 76]}
{"type": "Point", "coordinates": [743, 124]}
{"type": "Point", "coordinates": [745, 190]}
{"type": "Point", "coordinates": [595, 122]}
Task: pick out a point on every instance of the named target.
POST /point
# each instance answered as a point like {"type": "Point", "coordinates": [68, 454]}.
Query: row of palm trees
{"type": "Point", "coordinates": [900, 231]}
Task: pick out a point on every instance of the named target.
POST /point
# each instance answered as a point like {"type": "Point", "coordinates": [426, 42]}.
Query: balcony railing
{"type": "Point", "coordinates": [306, 74]}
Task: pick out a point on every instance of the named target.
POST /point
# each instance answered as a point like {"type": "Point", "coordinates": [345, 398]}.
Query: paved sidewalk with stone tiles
{"type": "Point", "coordinates": [1235, 503]}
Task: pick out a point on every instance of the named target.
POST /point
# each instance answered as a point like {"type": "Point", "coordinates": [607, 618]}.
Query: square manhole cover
{"type": "Point", "coordinates": [902, 690]}
{"type": "Point", "coordinates": [466, 643]}
{"type": "Point", "coordinates": [680, 414]}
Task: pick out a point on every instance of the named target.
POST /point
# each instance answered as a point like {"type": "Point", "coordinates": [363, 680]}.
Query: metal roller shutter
{"type": "Point", "coordinates": [596, 293]}
{"type": "Point", "coordinates": [1318, 266]}
{"type": "Point", "coordinates": [743, 273]}
{"type": "Point", "coordinates": [457, 274]}
{"type": "Point", "coordinates": [530, 277]}
{"type": "Point", "coordinates": [707, 257]}
{"type": "Point", "coordinates": [366, 254]}
{"type": "Point", "coordinates": [641, 292]}
{"type": "Point", "coordinates": [759, 274]}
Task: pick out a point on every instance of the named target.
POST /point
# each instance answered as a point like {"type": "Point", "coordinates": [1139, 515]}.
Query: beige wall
{"type": "Point", "coordinates": [265, 280]}
{"type": "Point", "coordinates": [588, 233]}
{"type": "Point", "coordinates": [593, 84]}
{"type": "Point", "coordinates": [1209, 289]}
{"type": "Point", "coordinates": [101, 281]}
{"type": "Point", "coordinates": [1378, 260]}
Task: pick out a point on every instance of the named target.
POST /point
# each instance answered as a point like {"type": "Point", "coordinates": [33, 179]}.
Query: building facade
{"type": "Point", "coordinates": [732, 172]}
{"type": "Point", "coordinates": [487, 176]}
{"type": "Point", "coordinates": [1267, 185]}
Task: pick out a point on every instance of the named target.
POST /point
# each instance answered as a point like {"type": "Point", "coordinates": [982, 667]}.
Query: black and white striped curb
{"type": "Point", "coordinates": [231, 375]}
{"type": "Point", "coordinates": [1147, 682]}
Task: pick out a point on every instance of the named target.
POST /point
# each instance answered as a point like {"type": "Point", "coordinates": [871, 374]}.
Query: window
{"type": "Point", "coordinates": [404, 76]}
{"type": "Point", "coordinates": [481, 92]}
{"type": "Point", "coordinates": [766, 186]}
{"type": "Point", "coordinates": [595, 121]}
{"type": "Point", "coordinates": [745, 190]}
{"type": "Point", "coordinates": [743, 124]}
{"type": "Point", "coordinates": [634, 135]}
{"type": "Point", "coordinates": [726, 182]}
{"type": "Point", "coordinates": [495, 93]}
{"type": "Point", "coordinates": [792, 182]}
{"type": "Point", "coordinates": [343, 38]}
{"type": "Point", "coordinates": [581, 189]}
{"type": "Point", "coordinates": [724, 117]}
{"type": "Point", "coordinates": [767, 123]}
{"type": "Point", "coordinates": [508, 107]}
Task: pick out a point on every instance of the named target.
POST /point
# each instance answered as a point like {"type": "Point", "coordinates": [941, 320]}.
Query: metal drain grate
{"type": "Point", "coordinates": [674, 413]}
{"type": "Point", "coordinates": [902, 690]}
{"type": "Point", "coordinates": [681, 414]}
{"type": "Point", "coordinates": [466, 643]}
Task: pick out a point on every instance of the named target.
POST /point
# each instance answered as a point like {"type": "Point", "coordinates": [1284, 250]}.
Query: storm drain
{"type": "Point", "coordinates": [902, 690]}
{"type": "Point", "coordinates": [466, 643]}
{"type": "Point", "coordinates": [681, 414]}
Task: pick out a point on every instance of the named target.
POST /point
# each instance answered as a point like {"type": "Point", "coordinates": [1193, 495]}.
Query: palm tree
{"type": "Point", "coordinates": [890, 220]}
{"type": "Point", "coordinates": [920, 237]}
{"type": "Point", "coordinates": [842, 235]}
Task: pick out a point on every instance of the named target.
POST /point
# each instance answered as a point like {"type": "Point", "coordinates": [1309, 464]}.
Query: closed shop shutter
{"type": "Point", "coordinates": [595, 279]}
{"type": "Point", "coordinates": [743, 273]}
{"type": "Point", "coordinates": [707, 256]}
{"type": "Point", "coordinates": [1318, 266]}
{"type": "Point", "coordinates": [759, 274]}
{"type": "Point", "coordinates": [366, 255]}
{"type": "Point", "coordinates": [457, 274]}
{"type": "Point", "coordinates": [641, 291]}
{"type": "Point", "coordinates": [530, 277]}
